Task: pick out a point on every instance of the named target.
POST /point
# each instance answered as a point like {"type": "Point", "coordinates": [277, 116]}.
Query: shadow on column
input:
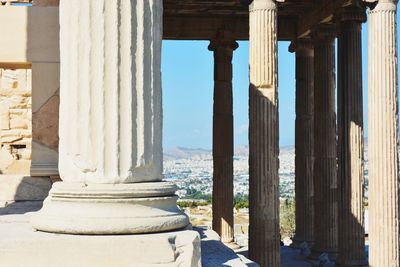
{"type": "Point", "coordinates": [264, 236]}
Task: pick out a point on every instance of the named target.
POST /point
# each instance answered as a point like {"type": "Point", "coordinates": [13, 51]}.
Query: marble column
{"type": "Point", "coordinates": [110, 151]}
{"type": "Point", "coordinates": [264, 245]}
{"type": "Point", "coordinates": [223, 46]}
{"type": "Point", "coordinates": [304, 141]}
{"type": "Point", "coordinates": [325, 165]}
{"type": "Point", "coordinates": [350, 139]}
{"type": "Point", "coordinates": [383, 138]}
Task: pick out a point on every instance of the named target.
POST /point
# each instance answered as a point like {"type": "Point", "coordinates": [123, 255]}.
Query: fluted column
{"type": "Point", "coordinates": [110, 151]}
{"type": "Point", "coordinates": [264, 137]}
{"type": "Point", "coordinates": [350, 139]}
{"type": "Point", "coordinates": [325, 170]}
{"type": "Point", "coordinates": [223, 46]}
{"type": "Point", "coordinates": [383, 136]}
{"type": "Point", "coordinates": [304, 141]}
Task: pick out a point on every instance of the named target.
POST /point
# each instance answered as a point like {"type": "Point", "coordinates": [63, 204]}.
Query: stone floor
{"type": "Point", "coordinates": [14, 226]}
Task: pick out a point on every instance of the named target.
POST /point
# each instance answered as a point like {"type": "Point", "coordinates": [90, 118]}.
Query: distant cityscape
{"type": "Point", "coordinates": [191, 170]}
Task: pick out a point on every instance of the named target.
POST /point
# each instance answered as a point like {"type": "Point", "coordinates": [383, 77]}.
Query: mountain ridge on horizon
{"type": "Point", "coordinates": [180, 152]}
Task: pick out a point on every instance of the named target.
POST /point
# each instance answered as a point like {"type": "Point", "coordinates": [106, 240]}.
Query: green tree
{"type": "Point", "coordinates": [287, 218]}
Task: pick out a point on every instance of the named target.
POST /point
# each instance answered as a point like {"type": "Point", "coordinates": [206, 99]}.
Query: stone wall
{"type": "Point", "coordinates": [15, 121]}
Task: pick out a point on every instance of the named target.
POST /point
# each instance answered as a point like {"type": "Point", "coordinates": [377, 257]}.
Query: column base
{"type": "Point", "coordinates": [108, 209]}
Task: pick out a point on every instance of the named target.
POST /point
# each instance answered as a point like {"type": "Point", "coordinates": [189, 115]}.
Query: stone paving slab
{"type": "Point", "coordinates": [17, 235]}
{"type": "Point", "coordinates": [21, 246]}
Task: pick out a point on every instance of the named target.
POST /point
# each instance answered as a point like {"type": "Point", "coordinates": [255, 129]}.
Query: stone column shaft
{"type": "Point", "coordinates": [264, 235]}
{"type": "Point", "coordinates": [110, 152]}
{"type": "Point", "coordinates": [383, 137]}
{"type": "Point", "coordinates": [223, 47]}
{"type": "Point", "coordinates": [325, 170]}
{"type": "Point", "coordinates": [304, 141]}
{"type": "Point", "coordinates": [351, 140]}
{"type": "Point", "coordinates": [112, 129]}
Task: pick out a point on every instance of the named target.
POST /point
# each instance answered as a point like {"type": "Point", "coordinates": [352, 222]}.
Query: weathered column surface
{"type": "Point", "coordinates": [304, 141]}
{"type": "Point", "coordinates": [325, 170]}
{"type": "Point", "coordinates": [223, 47]}
{"type": "Point", "coordinates": [383, 137]}
{"type": "Point", "coordinates": [263, 135]}
{"type": "Point", "coordinates": [110, 152]}
{"type": "Point", "coordinates": [351, 140]}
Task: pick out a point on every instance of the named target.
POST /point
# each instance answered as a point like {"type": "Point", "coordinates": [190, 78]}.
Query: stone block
{"type": "Point", "coordinates": [21, 246]}
{"type": "Point", "coordinates": [9, 80]}
{"type": "Point", "coordinates": [4, 116]}
{"type": "Point", "coordinates": [10, 138]}
{"type": "Point", "coordinates": [19, 123]}
{"type": "Point", "coordinates": [19, 101]}
{"type": "Point", "coordinates": [23, 188]}
{"type": "Point", "coordinates": [19, 113]}
{"type": "Point", "coordinates": [14, 135]}
{"type": "Point", "coordinates": [15, 79]}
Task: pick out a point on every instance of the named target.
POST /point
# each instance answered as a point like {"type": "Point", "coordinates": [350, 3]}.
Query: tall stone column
{"type": "Point", "coordinates": [383, 136]}
{"type": "Point", "coordinates": [304, 141]}
{"type": "Point", "coordinates": [325, 170]}
{"type": "Point", "coordinates": [264, 235]}
{"type": "Point", "coordinates": [110, 123]}
{"type": "Point", "coordinates": [223, 47]}
{"type": "Point", "coordinates": [351, 139]}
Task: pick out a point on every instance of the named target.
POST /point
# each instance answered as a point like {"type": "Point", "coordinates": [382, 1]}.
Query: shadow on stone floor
{"type": "Point", "coordinates": [20, 194]}
{"type": "Point", "coordinates": [290, 257]}
{"type": "Point", "coordinates": [20, 207]}
{"type": "Point", "coordinates": [215, 253]}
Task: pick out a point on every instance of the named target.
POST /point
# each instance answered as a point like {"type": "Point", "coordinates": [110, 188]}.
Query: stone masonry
{"type": "Point", "coordinates": [15, 121]}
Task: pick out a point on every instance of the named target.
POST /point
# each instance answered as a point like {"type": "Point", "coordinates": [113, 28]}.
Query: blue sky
{"type": "Point", "coordinates": [187, 70]}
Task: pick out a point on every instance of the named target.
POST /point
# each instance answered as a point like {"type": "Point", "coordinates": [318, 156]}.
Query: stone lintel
{"type": "Point", "coordinates": [323, 13]}
{"type": "Point", "coordinates": [205, 28]}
